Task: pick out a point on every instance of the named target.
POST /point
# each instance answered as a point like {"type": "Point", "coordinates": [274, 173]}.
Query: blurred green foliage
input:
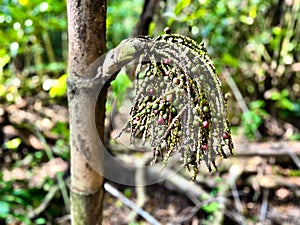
{"type": "Point", "coordinates": [252, 119]}
{"type": "Point", "coordinates": [15, 203]}
{"type": "Point", "coordinates": [118, 89]}
{"type": "Point", "coordinates": [33, 40]}
{"type": "Point", "coordinates": [122, 17]}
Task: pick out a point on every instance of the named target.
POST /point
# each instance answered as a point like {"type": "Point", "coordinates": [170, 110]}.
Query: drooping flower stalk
{"type": "Point", "coordinates": [179, 105]}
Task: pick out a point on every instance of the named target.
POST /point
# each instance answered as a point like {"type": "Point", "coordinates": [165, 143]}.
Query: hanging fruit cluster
{"type": "Point", "coordinates": [180, 109]}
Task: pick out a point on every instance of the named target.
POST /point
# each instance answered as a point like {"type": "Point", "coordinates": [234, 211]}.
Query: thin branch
{"type": "Point", "coordinates": [238, 204]}
{"type": "Point", "coordinates": [264, 207]}
{"type": "Point", "coordinates": [59, 176]}
{"type": "Point", "coordinates": [140, 189]}
{"type": "Point", "coordinates": [294, 157]}
{"type": "Point", "coordinates": [239, 98]}
{"type": "Point", "coordinates": [114, 192]}
{"type": "Point", "coordinates": [41, 208]}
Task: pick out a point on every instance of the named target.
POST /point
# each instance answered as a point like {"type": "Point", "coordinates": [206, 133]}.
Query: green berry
{"type": "Point", "coordinates": [205, 109]}
{"type": "Point", "coordinates": [155, 106]}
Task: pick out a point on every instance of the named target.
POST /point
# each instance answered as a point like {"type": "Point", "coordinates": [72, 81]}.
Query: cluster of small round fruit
{"type": "Point", "coordinates": [173, 113]}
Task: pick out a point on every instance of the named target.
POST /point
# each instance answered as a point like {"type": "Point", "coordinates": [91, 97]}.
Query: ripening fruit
{"type": "Point", "coordinates": [204, 147]}
{"type": "Point", "coordinates": [205, 109]}
{"type": "Point", "coordinates": [160, 121]}
{"type": "Point", "coordinates": [225, 135]}
{"type": "Point", "coordinates": [205, 124]}
{"type": "Point", "coordinates": [166, 73]}
{"type": "Point", "coordinates": [152, 91]}
{"type": "Point", "coordinates": [155, 111]}
{"type": "Point", "coordinates": [167, 30]}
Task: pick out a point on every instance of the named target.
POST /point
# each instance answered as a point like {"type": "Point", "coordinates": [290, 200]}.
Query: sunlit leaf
{"type": "Point", "coordinates": [229, 60]}
{"type": "Point", "coordinates": [23, 2]}
{"type": "Point", "coordinates": [257, 104]}
{"type": "Point", "coordinates": [252, 11]}
{"type": "Point", "coordinates": [286, 104]}
{"type": "Point", "coordinates": [3, 61]}
{"type": "Point", "coordinates": [246, 19]}
{"type": "Point", "coordinates": [181, 5]}
{"type": "Point", "coordinates": [275, 95]}
{"type": "Point", "coordinates": [120, 83]}
{"type": "Point", "coordinates": [211, 207]}
{"type": "Point", "coordinates": [151, 28]}
{"type": "Point", "coordinates": [59, 88]}
{"type": "Point", "coordinates": [13, 144]}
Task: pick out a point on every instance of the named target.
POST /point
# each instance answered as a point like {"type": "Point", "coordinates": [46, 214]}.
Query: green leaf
{"type": "Point", "coordinates": [257, 104]}
{"type": "Point", "coordinates": [285, 93]}
{"type": "Point", "coordinates": [3, 61]}
{"type": "Point", "coordinates": [40, 221]}
{"type": "Point", "coordinates": [181, 5]}
{"type": "Point", "coordinates": [122, 81]}
{"type": "Point", "coordinates": [286, 104]}
{"type": "Point", "coordinates": [228, 59]}
{"type": "Point", "coordinates": [59, 88]}
{"type": "Point", "coordinates": [211, 207]}
{"type": "Point", "coordinates": [276, 95]}
{"type": "Point", "coordinates": [246, 19]}
{"type": "Point", "coordinates": [4, 209]}
{"type": "Point", "coordinates": [151, 28]}
{"type": "Point", "coordinates": [62, 129]}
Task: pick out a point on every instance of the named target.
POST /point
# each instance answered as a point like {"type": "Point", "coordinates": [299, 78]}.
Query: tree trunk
{"type": "Point", "coordinates": [86, 27]}
{"type": "Point", "coordinates": [146, 17]}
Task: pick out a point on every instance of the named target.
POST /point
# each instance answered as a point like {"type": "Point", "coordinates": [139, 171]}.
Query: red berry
{"type": "Point", "coordinates": [152, 91]}
{"type": "Point", "coordinates": [160, 121]}
{"type": "Point", "coordinates": [167, 30]}
{"type": "Point", "coordinates": [138, 119]}
{"type": "Point", "coordinates": [205, 124]}
{"type": "Point", "coordinates": [225, 135]}
{"type": "Point", "coordinates": [204, 147]}
{"type": "Point", "coordinates": [166, 73]}
{"type": "Point", "coordinates": [155, 111]}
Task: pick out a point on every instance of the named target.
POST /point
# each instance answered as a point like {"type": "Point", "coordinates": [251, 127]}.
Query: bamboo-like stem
{"type": "Point", "coordinates": [86, 29]}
